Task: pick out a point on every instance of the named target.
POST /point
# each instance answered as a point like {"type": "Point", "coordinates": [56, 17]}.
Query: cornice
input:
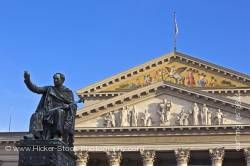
{"type": "Point", "coordinates": [7, 138]}
{"type": "Point", "coordinates": [228, 91]}
{"type": "Point", "coordinates": [163, 131]}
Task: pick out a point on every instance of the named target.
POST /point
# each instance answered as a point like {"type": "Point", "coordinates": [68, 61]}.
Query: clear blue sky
{"type": "Point", "coordinates": [89, 40]}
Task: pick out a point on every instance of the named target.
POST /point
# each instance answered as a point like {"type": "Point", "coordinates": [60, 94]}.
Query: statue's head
{"type": "Point", "coordinates": [59, 79]}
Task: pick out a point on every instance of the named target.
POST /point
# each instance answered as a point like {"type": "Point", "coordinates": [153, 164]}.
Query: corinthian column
{"type": "Point", "coordinates": [247, 156]}
{"type": "Point", "coordinates": [82, 158]}
{"type": "Point", "coordinates": [114, 158]}
{"type": "Point", "coordinates": [182, 157]}
{"type": "Point", "coordinates": [148, 157]}
{"type": "Point", "coordinates": [217, 156]}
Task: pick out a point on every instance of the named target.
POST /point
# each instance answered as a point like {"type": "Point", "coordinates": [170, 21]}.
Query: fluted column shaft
{"type": "Point", "coordinates": [82, 158]}
{"type": "Point", "coordinates": [182, 157]}
{"type": "Point", "coordinates": [148, 157]}
{"type": "Point", "coordinates": [217, 156]}
{"type": "Point", "coordinates": [114, 158]}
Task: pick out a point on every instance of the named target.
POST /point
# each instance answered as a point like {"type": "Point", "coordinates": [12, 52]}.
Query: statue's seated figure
{"type": "Point", "coordinates": [55, 114]}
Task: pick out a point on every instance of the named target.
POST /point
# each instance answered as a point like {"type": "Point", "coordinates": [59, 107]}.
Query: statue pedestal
{"type": "Point", "coordinates": [45, 153]}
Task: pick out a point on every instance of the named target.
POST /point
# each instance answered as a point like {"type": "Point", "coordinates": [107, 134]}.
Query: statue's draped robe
{"type": "Point", "coordinates": [50, 112]}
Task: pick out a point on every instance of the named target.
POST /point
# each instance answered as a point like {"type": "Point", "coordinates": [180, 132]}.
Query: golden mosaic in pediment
{"type": "Point", "coordinates": [178, 73]}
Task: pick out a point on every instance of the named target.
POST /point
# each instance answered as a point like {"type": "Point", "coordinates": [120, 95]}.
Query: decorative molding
{"type": "Point", "coordinates": [162, 131]}
{"type": "Point", "coordinates": [229, 91]}
{"type": "Point", "coordinates": [161, 147]}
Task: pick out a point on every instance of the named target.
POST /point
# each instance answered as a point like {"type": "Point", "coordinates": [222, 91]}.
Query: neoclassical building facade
{"type": "Point", "coordinates": [173, 110]}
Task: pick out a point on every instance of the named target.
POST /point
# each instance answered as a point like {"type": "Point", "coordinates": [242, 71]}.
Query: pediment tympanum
{"type": "Point", "coordinates": [176, 68]}
{"type": "Point", "coordinates": [166, 110]}
{"type": "Point", "coordinates": [178, 73]}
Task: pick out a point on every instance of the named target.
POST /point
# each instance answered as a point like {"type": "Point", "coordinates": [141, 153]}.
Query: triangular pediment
{"type": "Point", "coordinates": [176, 68]}
{"type": "Point", "coordinates": [151, 100]}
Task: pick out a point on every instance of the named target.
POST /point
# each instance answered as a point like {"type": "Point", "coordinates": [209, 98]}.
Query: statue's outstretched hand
{"type": "Point", "coordinates": [26, 75]}
{"type": "Point", "coordinates": [65, 106]}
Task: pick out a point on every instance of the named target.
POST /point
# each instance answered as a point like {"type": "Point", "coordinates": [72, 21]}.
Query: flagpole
{"type": "Point", "coordinates": [176, 31]}
{"type": "Point", "coordinates": [10, 123]}
{"type": "Point", "coordinates": [174, 24]}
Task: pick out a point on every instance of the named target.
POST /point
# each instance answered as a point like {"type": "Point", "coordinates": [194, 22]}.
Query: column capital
{"type": "Point", "coordinates": [217, 153]}
{"type": "Point", "coordinates": [182, 156]}
{"type": "Point", "coordinates": [82, 158]}
{"type": "Point", "coordinates": [148, 157]}
{"type": "Point", "coordinates": [217, 156]}
{"type": "Point", "coordinates": [247, 155]}
{"type": "Point", "coordinates": [114, 157]}
{"type": "Point", "coordinates": [246, 151]}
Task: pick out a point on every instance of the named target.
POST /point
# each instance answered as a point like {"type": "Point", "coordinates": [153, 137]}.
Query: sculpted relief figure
{"type": "Point", "coordinates": [109, 120]}
{"type": "Point", "coordinates": [124, 117]}
{"type": "Point", "coordinates": [167, 104]}
{"type": "Point", "coordinates": [112, 115]}
{"type": "Point", "coordinates": [164, 111]}
{"type": "Point", "coordinates": [161, 75]}
{"type": "Point", "coordinates": [204, 113]}
{"type": "Point", "coordinates": [176, 74]}
{"type": "Point", "coordinates": [55, 114]}
{"type": "Point", "coordinates": [209, 118]}
{"type": "Point", "coordinates": [202, 82]}
{"type": "Point", "coordinates": [190, 80]}
{"type": "Point", "coordinates": [195, 113]}
{"type": "Point", "coordinates": [147, 118]}
{"type": "Point", "coordinates": [180, 117]}
{"type": "Point", "coordinates": [161, 113]}
{"type": "Point", "coordinates": [219, 116]}
{"type": "Point", "coordinates": [147, 80]}
{"type": "Point", "coordinates": [133, 117]}
{"type": "Point", "coordinates": [183, 118]}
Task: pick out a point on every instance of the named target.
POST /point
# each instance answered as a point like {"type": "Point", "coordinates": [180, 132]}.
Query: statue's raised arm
{"type": "Point", "coordinates": [31, 86]}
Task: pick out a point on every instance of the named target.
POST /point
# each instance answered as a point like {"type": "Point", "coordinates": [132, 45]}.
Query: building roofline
{"type": "Point", "coordinates": [98, 86]}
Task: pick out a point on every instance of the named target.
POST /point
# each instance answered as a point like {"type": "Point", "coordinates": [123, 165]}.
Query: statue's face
{"type": "Point", "coordinates": [57, 80]}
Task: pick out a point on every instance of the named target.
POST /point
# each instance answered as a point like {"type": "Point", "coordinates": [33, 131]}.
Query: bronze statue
{"type": "Point", "coordinates": [55, 114]}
